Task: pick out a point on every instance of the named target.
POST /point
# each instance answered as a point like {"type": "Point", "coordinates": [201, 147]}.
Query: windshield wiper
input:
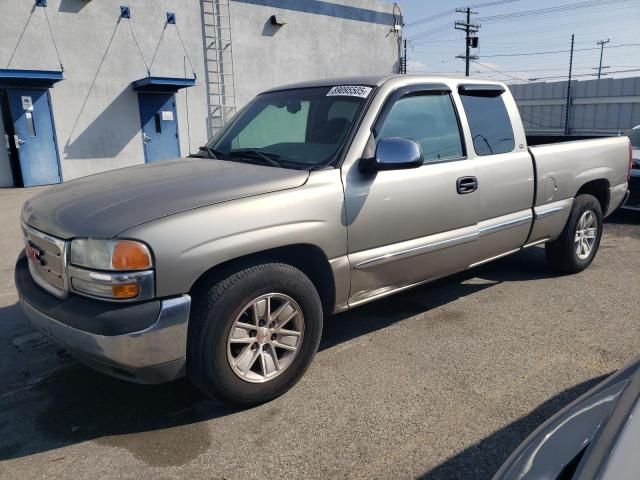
{"type": "Point", "coordinates": [211, 153]}
{"type": "Point", "coordinates": [268, 158]}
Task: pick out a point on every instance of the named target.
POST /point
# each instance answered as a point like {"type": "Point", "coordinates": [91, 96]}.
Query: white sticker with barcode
{"type": "Point", "coordinates": [349, 91]}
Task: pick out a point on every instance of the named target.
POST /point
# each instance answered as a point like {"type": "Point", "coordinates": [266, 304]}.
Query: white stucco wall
{"type": "Point", "coordinates": [99, 130]}
{"type": "Point", "coordinates": [98, 127]}
{"type": "Point", "coordinates": [309, 46]}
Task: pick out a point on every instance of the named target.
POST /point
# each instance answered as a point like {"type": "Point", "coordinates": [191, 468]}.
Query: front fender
{"type": "Point", "coordinates": [188, 244]}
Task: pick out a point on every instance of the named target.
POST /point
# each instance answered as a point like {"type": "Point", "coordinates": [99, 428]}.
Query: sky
{"type": "Point", "coordinates": [434, 44]}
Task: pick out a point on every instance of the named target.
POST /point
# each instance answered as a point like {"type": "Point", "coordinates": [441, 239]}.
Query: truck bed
{"type": "Point", "coordinates": [563, 169]}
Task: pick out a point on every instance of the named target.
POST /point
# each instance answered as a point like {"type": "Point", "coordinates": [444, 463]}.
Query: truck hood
{"type": "Point", "coordinates": [106, 204]}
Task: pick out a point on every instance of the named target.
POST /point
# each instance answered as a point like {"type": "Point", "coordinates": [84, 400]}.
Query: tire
{"type": "Point", "coordinates": [219, 366]}
{"type": "Point", "coordinates": [562, 253]}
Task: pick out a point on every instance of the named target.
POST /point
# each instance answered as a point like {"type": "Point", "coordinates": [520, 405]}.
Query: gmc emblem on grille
{"type": "Point", "coordinates": [35, 254]}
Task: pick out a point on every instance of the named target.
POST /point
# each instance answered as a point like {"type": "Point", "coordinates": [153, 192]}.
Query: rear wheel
{"type": "Point", "coordinates": [578, 243]}
{"type": "Point", "coordinates": [253, 334]}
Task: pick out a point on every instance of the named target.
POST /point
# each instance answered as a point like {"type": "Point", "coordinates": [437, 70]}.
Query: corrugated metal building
{"type": "Point", "coordinates": [597, 107]}
{"type": "Point", "coordinates": [152, 80]}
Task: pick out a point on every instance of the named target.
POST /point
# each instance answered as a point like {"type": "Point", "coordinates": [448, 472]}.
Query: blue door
{"type": "Point", "coordinates": [34, 136]}
{"type": "Point", "coordinates": [159, 126]}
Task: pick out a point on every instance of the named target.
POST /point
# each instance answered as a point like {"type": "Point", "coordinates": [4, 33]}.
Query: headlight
{"type": "Point", "coordinates": [114, 255]}
{"type": "Point", "coordinates": [111, 269]}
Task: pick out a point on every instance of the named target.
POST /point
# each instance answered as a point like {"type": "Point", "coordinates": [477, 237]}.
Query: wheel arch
{"type": "Point", "coordinates": [599, 188]}
{"type": "Point", "coordinates": [308, 258]}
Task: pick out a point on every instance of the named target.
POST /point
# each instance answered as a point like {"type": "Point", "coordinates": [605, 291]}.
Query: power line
{"type": "Point", "coordinates": [520, 54]}
{"type": "Point", "coordinates": [501, 72]}
{"type": "Point", "coordinates": [492, 4]}
{"type": "Point", "coordinates": [584, 75]}
{"type": "Point", "coordinates": [436, 16]}
{"type": "Point", "coordinates": [550, 32]}
{"type": "Point", "coordinates": [431, 48]}
{"type": "Point", "coordinates": [547, 35]}
{"type": "Point", "coordinates": [432, 31]}
{"type": "Point", "coordinates": [451, 11]}
{"type": "Point", "coordinates": [543, 69]}
{"type": "Point", "coordinates": [550, 10]}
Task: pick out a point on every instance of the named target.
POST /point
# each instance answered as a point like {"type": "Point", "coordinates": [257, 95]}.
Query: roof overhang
{"type": "Point", "coordinates": [29, 78]}
{"type": "Point", "coordinates": [162, 84]}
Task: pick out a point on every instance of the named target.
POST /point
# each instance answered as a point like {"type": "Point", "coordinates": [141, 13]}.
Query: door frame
{"type": "Point", "coordinates": [7, 120]}
{"type": "Point", "coordinates": [175, 113]}
{"type": "Point", "coordinates": [15, 153]}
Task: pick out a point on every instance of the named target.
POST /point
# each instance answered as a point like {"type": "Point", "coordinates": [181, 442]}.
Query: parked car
{"type": "Point", "coordinates": [633, 202]}
{"type": "Point", "coordinates": [316, 198]}
{"type": "Point", "coordinates": [596, 436]}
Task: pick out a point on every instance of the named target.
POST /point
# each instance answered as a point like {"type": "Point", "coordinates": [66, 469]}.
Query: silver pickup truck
{"type": "Point", "coordinates": [314, 199]}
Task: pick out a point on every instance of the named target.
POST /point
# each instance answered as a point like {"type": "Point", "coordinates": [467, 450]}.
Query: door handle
{"type": "Point", "coordinates": [466, 185]}
{"type": "Point", "coordinates": [6, 141]}
{"type": "Point", "coordinates": [18, 141]}
{"type": "Point", "coordinates": [146, 138]}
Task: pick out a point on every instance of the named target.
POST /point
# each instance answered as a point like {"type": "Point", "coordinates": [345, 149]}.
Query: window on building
{"type": "Point", "coordinates": [31, 128]}
{"type": "Point", "coordinates": [489, 123]}
{"type": "Point", "coordinates": [430, 120]}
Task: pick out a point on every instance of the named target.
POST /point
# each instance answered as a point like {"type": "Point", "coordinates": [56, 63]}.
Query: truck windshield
{"type": "Point", "coordinates": [300, 128]}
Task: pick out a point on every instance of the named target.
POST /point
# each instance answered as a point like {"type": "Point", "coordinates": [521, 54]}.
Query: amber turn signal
{"type": "Point", "coordinates": [128, 255]}
{"type": "Point", "coordinates": [131, 290]}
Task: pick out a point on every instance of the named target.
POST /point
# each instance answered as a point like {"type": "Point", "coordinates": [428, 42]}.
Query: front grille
{"type": "Point", "coordinates": [47, 260]}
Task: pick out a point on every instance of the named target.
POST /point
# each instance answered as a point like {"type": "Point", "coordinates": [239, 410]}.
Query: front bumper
{"type": "Point", "coordinates": [93, 331]}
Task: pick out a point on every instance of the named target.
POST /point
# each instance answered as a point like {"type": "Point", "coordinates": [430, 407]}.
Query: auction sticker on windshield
{"type": "Point", "coordinates": [349, 91]}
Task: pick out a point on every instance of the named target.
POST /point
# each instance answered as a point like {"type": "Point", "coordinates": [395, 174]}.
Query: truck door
{"type": "Point", "coordinates": [33, 136]}
{"type": "Point", "coordinates": [408, 226]}
{"type": "Point", "coordinates": [159, 126]}
{"type": "Point", "coordinates": [504, 169]}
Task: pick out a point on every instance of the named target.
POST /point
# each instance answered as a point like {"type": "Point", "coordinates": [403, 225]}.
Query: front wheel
{"type": "Point", "coordinates": [253, 334]}
{"type": "Point", "coordinates": [578, 243]}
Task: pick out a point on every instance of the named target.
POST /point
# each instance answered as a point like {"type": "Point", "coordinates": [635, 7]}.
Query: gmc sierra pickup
{"type": "Point", "coordinates": [314, 199]}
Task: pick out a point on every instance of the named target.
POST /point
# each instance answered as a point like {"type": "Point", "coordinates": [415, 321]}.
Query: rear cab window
{"type": "Point", "coordinates": [489, 121]}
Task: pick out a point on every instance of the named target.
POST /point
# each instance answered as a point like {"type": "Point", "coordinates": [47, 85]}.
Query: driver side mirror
{"type": "Point", "coordinates": [393, 153]}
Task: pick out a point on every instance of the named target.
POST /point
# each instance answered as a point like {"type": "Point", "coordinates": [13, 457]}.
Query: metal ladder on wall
{"type": "Point", "coordinates": [221, 90]}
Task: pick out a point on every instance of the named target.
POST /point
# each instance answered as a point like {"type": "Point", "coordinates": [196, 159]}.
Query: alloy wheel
{"type": "Point", "coordinates": [586, 233]}
{"type": "Point", "coordinates": [265, 337]}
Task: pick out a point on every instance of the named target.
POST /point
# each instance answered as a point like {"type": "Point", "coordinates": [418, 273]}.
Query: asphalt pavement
{"type": "Point", "coordinates": [442, 381]}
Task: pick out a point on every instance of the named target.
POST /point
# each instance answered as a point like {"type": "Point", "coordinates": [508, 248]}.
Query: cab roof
{"type": "Point", "coordinates": [379, 80]}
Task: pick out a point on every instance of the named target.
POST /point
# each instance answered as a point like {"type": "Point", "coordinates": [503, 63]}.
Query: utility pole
{"type": "Point", "coordinates": [568, 105]}
{"type": "Point", "coordinates": [471, 41]}
{"type": "Point", "coordinates": [404, 58]}
{"type": "Point", "coordinates": [602, 44]}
